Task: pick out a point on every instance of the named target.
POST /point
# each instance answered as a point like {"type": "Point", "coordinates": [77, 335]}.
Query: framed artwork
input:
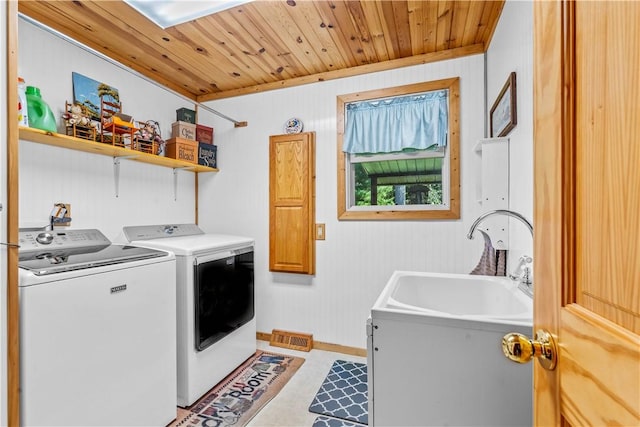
{"type": "Point", "coordinates": [503, 115]}
{"type": "Point", "coordinates": [87, 92]}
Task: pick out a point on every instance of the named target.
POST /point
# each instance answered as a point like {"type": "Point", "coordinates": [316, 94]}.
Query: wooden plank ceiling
{"type": "Point", "coordinates": [265, 45]}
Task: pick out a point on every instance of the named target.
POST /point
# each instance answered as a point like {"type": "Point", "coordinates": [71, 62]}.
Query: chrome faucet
{"type": "Point", "coordinates": [522, 272]}
{"type": "Point", "coordinates": [524, 268]}
{"type": "Point", "coordinates": [498, 212]}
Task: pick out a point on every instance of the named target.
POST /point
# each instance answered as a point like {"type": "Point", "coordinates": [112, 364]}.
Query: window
{"type": "Point", "coordinates": [398, 152]}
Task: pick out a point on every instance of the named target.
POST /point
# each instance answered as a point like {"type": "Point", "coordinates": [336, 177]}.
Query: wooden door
{"type": "Point", "coordinates": [292, 184]}
{"type": "Point", "coordinates": [10, 253]}
{"type": "Point", "coordinates": [587, 210]}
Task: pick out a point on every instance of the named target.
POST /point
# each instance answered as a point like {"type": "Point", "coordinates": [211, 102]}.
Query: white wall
{"type": "Point", "coordinates": [512, 50]}
{"type": "Point", "coordinates": [86, 181]}
{"type": "Point", "coordinates": [357, 257]}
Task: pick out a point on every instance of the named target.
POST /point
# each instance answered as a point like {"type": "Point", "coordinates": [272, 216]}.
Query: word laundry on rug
{"type": "Point", "coordinates": [239, 397]}
{"type": "Point", "coordinates": [342, 395]}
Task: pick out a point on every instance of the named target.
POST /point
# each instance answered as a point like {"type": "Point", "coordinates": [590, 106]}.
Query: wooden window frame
{"type": "Point", "coordinates": [453, 212]}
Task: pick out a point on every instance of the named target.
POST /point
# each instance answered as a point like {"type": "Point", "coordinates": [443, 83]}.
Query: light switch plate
{"type": "Point", "coordinates": [320, 232]}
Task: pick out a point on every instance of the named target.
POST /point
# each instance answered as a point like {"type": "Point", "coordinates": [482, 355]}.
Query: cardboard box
{"type": "Point", "coordinates": [207, 155]}
{"type": "Point", "coordinates": [186, 115]}
{"type": "Point", "coordinates": [183, 130]}
{"type": "Point", "coordinates": [183, 149]}
{"type": "Point", "coordinates": [204, 134]}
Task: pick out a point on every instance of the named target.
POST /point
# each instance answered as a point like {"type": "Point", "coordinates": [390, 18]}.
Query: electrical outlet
{"type": "Point", "coordinates": [320, 234]}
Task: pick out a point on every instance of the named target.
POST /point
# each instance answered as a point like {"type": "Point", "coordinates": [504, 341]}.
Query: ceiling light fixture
{"type": "Point", "coordinates": [169, 13]}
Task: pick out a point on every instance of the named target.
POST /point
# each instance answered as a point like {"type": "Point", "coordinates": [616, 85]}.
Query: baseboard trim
{"type": "Point", "coordinates": [319, 345]}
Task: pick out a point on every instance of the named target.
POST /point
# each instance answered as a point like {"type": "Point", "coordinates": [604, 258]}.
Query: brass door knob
{"type": "Point", "coordinates": [519, 348]}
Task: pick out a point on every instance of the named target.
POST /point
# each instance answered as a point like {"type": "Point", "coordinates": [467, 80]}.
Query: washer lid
{"type": "Point", "coordinates": [199, 244]}
{"type": "Point", "coordinates": [62, 260]}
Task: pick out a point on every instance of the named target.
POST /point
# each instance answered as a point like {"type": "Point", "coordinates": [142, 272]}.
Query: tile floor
{"type": "Point", "coordinates": [290, 408]}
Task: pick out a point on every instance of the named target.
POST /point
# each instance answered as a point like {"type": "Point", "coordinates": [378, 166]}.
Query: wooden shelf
{"type": "Point", "coordinates": [64, 141]}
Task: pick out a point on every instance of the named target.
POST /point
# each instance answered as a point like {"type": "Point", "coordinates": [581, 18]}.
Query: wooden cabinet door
{"type": "Point", "coordinates": [292, 186]}
{"type": "Point", "coordinates": [587, 210]}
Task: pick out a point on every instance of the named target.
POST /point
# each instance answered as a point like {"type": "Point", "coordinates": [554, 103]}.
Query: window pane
{"type": "Point", "coordinates": [391, 182]}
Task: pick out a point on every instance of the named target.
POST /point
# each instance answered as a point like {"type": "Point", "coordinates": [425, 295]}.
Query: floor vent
{"type": "Point", "coordinates": [292, 340]}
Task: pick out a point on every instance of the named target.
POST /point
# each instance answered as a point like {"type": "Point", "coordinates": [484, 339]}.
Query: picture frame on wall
{"type": "Point", "coordinates": [503, 115]}
{"type": "Point", "coordinates": [87, 92]}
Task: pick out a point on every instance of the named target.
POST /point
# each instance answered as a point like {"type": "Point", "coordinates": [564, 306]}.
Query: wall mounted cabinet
{"type": "Point", "coordinates": [492, 186]}
{"type": "Point", "coordinates": [292, 194]}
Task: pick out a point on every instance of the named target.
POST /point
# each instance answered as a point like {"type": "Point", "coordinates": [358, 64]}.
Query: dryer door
{"type": "Point", "coordinates": [223, 295]}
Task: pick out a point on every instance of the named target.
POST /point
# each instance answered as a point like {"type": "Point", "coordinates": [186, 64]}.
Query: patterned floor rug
{"type": "Point", "coordinates": [239, 397]}
{"type": "Point", "coordinates": [343, 394]}
{"type": "Point", "coordinates": [323, 421]}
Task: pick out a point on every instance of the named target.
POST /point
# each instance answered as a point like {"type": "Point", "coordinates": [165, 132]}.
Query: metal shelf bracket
{"type": "Point", "coordinates": [116, 171]}
{"type": "Point", "coordinates": [175, 181]}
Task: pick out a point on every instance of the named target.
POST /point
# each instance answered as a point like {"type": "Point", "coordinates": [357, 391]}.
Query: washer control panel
{"type": "Point", "coordinates": [47, 240]}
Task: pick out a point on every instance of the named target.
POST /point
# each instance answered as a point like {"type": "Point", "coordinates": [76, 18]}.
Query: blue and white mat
{"type": "Point", "coordinates": [343, 394]}
{"type": "Point", "coordinates": [323, 421]}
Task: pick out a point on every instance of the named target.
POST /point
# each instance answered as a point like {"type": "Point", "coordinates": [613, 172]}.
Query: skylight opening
{"type": "Point", "coordinates": [167, 14]}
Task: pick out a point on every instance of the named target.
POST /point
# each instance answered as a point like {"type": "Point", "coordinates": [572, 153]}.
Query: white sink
{"type": "Point", "coordinates": [464, 296]}
{"type": "Point", "coordinates": [434, 352]}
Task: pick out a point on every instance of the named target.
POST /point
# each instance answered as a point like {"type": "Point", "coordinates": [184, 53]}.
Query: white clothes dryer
{"type": "Point", "coordinates": [216, 327]}
{"type": "Point", "coordinates": [97, 331]}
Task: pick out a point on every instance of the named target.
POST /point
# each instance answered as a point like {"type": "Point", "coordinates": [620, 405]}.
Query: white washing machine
{"type": "Point", "coordinates": [97, 331]}
{"type": "Point", "coordinates": [216, 327]}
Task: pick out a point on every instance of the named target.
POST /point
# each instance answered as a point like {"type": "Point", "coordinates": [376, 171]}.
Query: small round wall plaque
{"type": "Point", "coordinates": [293, 125]}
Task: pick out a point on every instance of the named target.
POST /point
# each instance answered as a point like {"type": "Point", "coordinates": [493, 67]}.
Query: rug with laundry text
{"type": "Point", "coordinates": [241, 395]}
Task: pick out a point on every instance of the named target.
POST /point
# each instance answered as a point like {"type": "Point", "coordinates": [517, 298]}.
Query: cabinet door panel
{"type": "Point", "coordinates": [292, 203]}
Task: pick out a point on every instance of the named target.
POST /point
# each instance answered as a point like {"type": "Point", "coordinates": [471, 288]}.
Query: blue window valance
{"type": "Point", "coordinates": [406, 123]}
